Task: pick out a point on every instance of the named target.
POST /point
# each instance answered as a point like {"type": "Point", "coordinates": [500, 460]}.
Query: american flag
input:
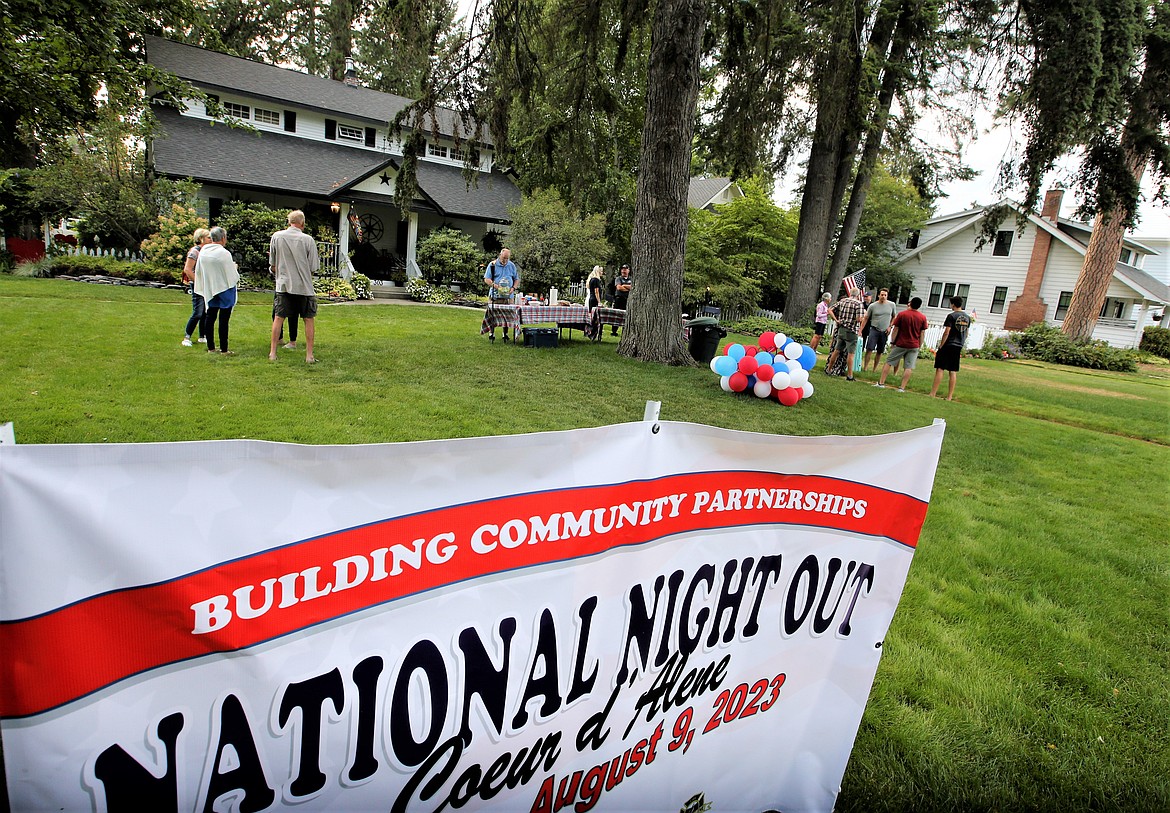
{"type": "Point", "coordinates": [854, 283]}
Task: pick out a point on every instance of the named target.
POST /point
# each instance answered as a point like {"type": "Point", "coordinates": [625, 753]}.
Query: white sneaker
{"type": "Point", "coordinates": [203, 341]}
{"type": "Point", "coordinates": [186, 341]}
{"type": "Point", "coordinates": [901, 389]}
{"type": "Point", "coordinates": [880, 386]}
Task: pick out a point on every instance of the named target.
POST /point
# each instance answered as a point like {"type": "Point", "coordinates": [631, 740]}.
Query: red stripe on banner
{"type": "Point", "coordinates": [70, 652]}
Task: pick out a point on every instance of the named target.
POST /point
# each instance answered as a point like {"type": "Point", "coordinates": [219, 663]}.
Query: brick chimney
{"type": "Point", "coordinates": [1051, 208]}
{"type": "Point", "coordinates": [1028, 308]}
{"type": "Point", "coordinates": [350, 73]}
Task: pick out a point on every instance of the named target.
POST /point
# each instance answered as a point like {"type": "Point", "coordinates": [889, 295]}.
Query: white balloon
{"type": "Point", "coordinates": [725, 382]}
{"type": "Point", "coordinates": [793, 365]}
{"type": "Point", "coordinates": [798, 378]}
{"type": "Point", "coordinates": [762, 389]}
{"type": "Point", "coordinates": [807, 390]}
{"type": "Point", "coordinates": [780, 339]}
{"type": "Point", "coordinates": [712, 365]}
{"type": "Point", "coordinates": [793, 351]}
{"type": "Point", "coordinates": [781, 380]}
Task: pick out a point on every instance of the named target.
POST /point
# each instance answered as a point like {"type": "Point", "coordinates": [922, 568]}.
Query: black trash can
{"type": "Point", "coordinates": [705, 336]}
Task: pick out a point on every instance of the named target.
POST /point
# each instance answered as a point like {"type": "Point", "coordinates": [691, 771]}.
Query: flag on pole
{"type": "Point", "coordinates": [854, 283]}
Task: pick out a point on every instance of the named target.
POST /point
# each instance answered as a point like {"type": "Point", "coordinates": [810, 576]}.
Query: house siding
{"type": "Point", "coordinates": [956, 260]}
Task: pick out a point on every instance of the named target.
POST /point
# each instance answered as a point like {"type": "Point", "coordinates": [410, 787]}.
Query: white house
{"type": "Point", "coordinates": [1025, 277]}
{"type": "Point", "coordinates": [319, 144]}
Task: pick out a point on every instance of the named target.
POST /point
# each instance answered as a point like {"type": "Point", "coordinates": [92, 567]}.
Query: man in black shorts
{"type": "Point", "coordinates": [951, 347]}
{"type": "Point", "coordinates": [292, 258]}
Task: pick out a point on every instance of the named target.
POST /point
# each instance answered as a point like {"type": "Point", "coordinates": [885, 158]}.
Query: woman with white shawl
{"type": "Point", "coordinates": [216, 278]}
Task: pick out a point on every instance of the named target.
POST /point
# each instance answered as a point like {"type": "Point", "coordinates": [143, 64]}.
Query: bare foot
{"type": "Point", "coordinates": [272, 357]}
{"type": "Point", "coordinates": [310, 360]}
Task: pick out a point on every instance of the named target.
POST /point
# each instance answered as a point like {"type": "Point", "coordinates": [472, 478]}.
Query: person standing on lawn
{"type": "Point", "coordinates": [216, 278]}
{"type": "Point", "coordinates": [502, 278]}
{"type": "Point", "coordinates": [292, 259]}
{"type": "Point", "coordinates": [821, 321]}
{"type": "Point", "coordinates": [950, 347]}
{"type": "Point", "coordinates": [877, 320]}
{"type": "Point", "coordinates": [847, 314]}
{"type": "Point", "coordinates": [198, 306]}
{"type": "Point", "coordinates": [905, 338]}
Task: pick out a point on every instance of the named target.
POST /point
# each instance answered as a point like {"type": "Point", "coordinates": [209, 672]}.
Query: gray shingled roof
{"type": "Point", "coordinates": [1150, 283]}
{"type": "Point", "coordinates": [215, 153]}
{"type": "Point", "coordinates": [702, 190]}
{"type": "Point", "coordinates": [213, 71]}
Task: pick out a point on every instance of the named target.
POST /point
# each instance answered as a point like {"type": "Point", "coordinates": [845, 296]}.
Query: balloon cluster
{"type": "Point", "coordinates": [777, 368]}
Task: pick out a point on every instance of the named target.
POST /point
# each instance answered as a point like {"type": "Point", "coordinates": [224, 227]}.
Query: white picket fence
{"type": "Point", "coordinates": [113, 253]}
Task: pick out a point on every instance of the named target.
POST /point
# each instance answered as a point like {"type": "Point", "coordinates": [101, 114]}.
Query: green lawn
{"type": "Point", "coordinates": [1027, 665]}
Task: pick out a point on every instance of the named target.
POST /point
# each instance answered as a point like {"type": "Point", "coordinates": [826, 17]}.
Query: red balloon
{"type": "Point", "coordinates": [750, 350]}
{"type": "Point", "coordinates": [737, 382]}
{"type": "Point", "coordinates": [768, 340]}
{"type": "Point", "coordinates": [789, 396]}
{"type": "Point", "coordinates": [748, 365]}
{"type": "Point", "coordinates": [765, 372]}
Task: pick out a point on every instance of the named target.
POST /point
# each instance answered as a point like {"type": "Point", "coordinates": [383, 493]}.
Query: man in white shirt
{"type": "Point", "coordinates": [292, 259]}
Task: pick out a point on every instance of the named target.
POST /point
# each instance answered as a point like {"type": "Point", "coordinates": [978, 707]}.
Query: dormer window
{"type": "Point", "coordinates": [436, 150]}
{"type": "Point", "coordinates": [237, 111]}
{"type": "Point", "coordinates": [458, 154]}
{"type": "Point", "coordinates": [1126, 257]}
{"type": "Point", "coordinates": [267, 117]}
{"type": "Point", "coordinates": [347, 133]}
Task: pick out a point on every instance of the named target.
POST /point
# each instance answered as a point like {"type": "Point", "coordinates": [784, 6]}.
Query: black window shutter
{"type": "Point", "coordinates": [331, 129]}
{"type": "Point", "coordinates": [290, 121]}
{"type": "Point", "coordinates": [211, 100]}
{"type": "Point", "coordinates": [371, 133]}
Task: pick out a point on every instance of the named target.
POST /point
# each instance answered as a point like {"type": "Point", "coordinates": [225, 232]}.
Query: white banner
{"type": "Point", "coordinates": [651, 616]}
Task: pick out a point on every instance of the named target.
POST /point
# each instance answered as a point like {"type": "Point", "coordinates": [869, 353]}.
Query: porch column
{"type": "Point", "coordinates": [343, 238]}
{"type": "Point", "coordinates": [411, 244]}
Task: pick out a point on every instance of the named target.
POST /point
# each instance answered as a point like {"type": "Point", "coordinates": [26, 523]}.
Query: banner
{"type": "Point", "coordinates": [650, 616]}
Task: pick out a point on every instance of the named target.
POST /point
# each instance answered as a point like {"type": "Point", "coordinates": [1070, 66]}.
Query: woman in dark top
{"type": "Point", "coordinates": [594, 285]}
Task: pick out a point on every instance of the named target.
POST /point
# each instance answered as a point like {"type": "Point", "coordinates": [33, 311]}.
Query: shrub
{"type": "Point", "coordinates": [334, 288]}
{"type": "Point", "coordinates": [755, 325]}
{"type": "Point", "coordinates": [422, 291]}
{"type": "Point", "coordinates": [997, 348]}
{"type": "Point", "coordinates": [1156, 340]}
{"type": "Point", "coordinates": [250, 227]}
{"type": "Point", "coordinates": [361, 285]}
{"type": "Point", "coordinates": [449, 255]}
{"type": "Point", "coordinates": [168, 247]}
{"type": "Point", "coordinates": [1046, 343]}
{"type": "Point", "coordinates": [82, 265]}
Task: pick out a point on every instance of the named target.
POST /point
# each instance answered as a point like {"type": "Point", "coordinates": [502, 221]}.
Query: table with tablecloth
{"type": "Point", "coordinates": [600, 317]}
{"type": "Point", "coordinates": [514, 316]}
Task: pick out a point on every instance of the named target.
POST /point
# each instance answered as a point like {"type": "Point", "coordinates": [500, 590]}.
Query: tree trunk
{"type": "Point", "coordinates": [1109, 228]}
{"type": "Point", "coordinates": [652, 331]}
{"type": "Point", "coordinates": [891, 81]}
{"type": "Point", "coordinates": [836, 101]}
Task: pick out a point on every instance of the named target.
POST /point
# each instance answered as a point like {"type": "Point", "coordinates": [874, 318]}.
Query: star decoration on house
{"type": "Point", "coordinates": [385, 179]}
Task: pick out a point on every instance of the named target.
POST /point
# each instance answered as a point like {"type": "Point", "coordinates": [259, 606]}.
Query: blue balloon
{"type": "Point", "coordinates": [764, 357]}
{"type": "Point", "coordinates": [808, 358]}
{"type": "Point", "coordinates": [751, 382]}
{"type": "Point", "coordinates": [725, 365]}
{"type": "Point", "coordinates": [736, 351]}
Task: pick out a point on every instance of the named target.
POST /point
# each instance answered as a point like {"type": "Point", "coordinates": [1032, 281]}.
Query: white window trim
{"type": "Point", "coordinates": [256, 111]}
{"type": "Point", "coordinates": [358, 135]}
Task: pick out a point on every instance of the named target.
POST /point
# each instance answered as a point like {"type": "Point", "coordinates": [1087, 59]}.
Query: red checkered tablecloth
{"type": "Point", "coordinates": [513, 316]}
{"type": "Point", "coordinates": [505, 316]}
{"type": "Point", "coordinates": [600, 317]}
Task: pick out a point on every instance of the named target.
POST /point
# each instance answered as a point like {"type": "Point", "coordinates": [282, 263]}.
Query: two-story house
{"type": "Point", "coordinates": [1028, 276]}
{"type": "Point", "coordinates": [314, 143]}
